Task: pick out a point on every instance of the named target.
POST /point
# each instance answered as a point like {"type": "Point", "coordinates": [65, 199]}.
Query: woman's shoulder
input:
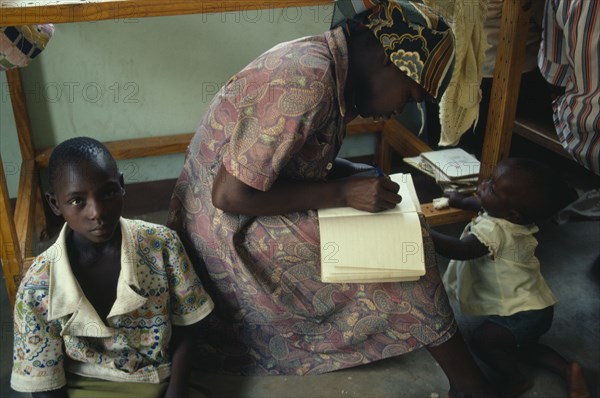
{"type": "Point", "coordinates": [309, 57]}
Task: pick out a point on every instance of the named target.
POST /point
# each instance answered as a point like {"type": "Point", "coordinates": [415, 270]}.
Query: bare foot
{"type": "Point", "coordinates": [517, 388]}
{"type": "Point", "coordinates": [578, 387]}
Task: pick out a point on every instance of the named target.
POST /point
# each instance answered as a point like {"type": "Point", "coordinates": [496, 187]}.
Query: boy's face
{"type": "Point", "coordinates": [90, 198]}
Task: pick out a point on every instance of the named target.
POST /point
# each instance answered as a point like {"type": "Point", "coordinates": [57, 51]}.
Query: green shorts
{"type": "Point", "coordinates": [526, 326]}
{"type": "Point", "coordinates": [88, 387]}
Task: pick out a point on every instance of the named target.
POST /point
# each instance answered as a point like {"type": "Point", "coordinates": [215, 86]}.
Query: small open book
{"type": "Point", "coordinates": [452, 164]}
{"type": "Point", "coordinates": [362, 247]}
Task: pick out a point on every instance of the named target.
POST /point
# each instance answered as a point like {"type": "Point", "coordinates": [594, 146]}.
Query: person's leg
{"type": "Point", "coordinates": [465, 377]}
{"type": "Point", "coordinates": [542, 356]}
{"type": "Point", "coordinates": [495, 345]}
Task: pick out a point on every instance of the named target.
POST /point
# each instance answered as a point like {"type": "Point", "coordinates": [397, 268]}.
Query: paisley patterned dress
{"type": "Point", "coordinates": [282, 116]}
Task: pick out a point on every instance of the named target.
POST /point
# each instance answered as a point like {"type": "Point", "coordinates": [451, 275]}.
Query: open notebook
{"type": "Point", "coordinates": [358, 246]}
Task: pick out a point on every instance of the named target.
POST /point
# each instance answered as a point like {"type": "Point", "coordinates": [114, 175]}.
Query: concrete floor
{"type": "Point", "coordinates": [570, 257]}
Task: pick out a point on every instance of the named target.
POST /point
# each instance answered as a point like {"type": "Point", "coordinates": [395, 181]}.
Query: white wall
{"type": "Point", "coordinates": [133, 78]}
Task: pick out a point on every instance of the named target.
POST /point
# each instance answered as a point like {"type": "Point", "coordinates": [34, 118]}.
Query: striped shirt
{"type": "Point", "coordinates": [570, 57]}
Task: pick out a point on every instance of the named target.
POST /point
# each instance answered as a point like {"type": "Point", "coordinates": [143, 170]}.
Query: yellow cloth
{"type": "Point", "coordinates": [505, 281]}
{"type": "Point", "coordinates": [459, 107]}
{"type": "Point", "coordinates": [88, 387]}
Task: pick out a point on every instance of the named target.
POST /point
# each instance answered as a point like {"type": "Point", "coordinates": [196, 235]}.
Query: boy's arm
{"type": "Point", "coordinates": [60, 393]}
{"type": "Point", "coordinates": [466, 248]}
{"type": "Point", "coordinates": [181, 358]}
{"type": "Point", "coordinates": [189, 304]}
{"type": "Point", "coordinates": [38, 347]}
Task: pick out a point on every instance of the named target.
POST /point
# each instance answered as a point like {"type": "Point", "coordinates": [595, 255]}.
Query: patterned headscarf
{"type": "Point", "coordinates": [413, 36]}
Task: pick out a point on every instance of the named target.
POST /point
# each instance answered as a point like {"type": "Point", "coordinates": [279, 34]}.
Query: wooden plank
{"type": "Point", "coordinates": [10, 252]}
{"type": "Point", "coordinates": [135, 148]}
{"type": "Point", "coordinates": [396, 137]}
{"type": "Point", "coordinates": [25, 207]}
{"type": "Point", "coordinates": [27, 261]}
{"type": "Point", "coordinates": [363, 126]}
{"type": "Point", "coordinates": [445, 216]}
{"type": "Point", "coordinates": [402, 140]}
{"type": "Point", "coordinates": [23, 126]}
{"type": "Point", "coordinates": [21, 12]}
{"type": "Point", "coordinates": [505, 86]}
{"type": "Point", "coordinates": [178, 143]}
{"type": "Point", "coordinates": [19, 106]}
{"type": "Point", "coordinates": [543, 134]}
{"type": "Point", "coordinates": [40, 213]}
{"type": "Point", "coordinates": [383, 155]}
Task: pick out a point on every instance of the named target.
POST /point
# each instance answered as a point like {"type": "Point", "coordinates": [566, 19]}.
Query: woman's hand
{"type": "Point", "coordinates": [371, 194]}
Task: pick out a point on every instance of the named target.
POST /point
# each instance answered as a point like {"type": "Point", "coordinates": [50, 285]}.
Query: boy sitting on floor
{"type": "Point", "coordinates": [495, 273]}
{"type": "Point", "coordinates": [111, 301]}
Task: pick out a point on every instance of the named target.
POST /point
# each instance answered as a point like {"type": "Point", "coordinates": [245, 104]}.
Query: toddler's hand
{"type": "Point", "coordinates": [454, 198]}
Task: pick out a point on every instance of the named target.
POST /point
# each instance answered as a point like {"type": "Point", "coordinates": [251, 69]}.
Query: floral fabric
{"type": "Point", "coordinates": [282, 116]}
{"type": "Point", "coordinates": [413, 36]}
{"type": "Point", "coordinates": [56, 327]}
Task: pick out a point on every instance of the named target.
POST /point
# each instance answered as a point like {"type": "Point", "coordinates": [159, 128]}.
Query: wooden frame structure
{"type": "Point", "coordinates": [16, 232]}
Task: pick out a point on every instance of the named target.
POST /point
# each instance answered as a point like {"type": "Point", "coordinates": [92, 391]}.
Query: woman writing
{"type": "Point", "coordinates": [261, 163]}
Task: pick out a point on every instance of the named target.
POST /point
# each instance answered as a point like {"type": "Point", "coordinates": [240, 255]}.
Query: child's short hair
{"type": "Point", "coordinates": [75, 151]}
{"type": "Point", "coordinates": [546, 192]}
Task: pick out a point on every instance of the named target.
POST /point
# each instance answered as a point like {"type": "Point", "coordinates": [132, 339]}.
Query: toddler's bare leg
{"type": "Point", "coordinates": [464, 376]}
{"type": "Point", "coordinates": [542, 356]}
{"type": "Point", "coordinates": [578, 387]}
{"type": "Point", "coordinates": [496, 346]}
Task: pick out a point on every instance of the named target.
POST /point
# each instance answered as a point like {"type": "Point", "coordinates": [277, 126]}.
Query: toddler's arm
{"type": "Point", "coordinates": [466, 248]}
{"type": "Point", "coordinates": [461, 201]}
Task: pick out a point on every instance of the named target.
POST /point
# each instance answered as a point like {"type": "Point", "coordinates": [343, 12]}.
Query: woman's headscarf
{"type": "Point", "coordinates": [413, 36]}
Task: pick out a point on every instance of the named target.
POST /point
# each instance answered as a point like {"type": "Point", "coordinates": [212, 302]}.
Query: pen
{"type": "Point", "coordinates": [378, 171]}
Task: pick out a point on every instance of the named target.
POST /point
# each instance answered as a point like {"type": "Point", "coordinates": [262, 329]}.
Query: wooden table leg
{"type": "Point", "coordinates": [10, 252]}
{"type": "Point", "coordinates": [23, 125]}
